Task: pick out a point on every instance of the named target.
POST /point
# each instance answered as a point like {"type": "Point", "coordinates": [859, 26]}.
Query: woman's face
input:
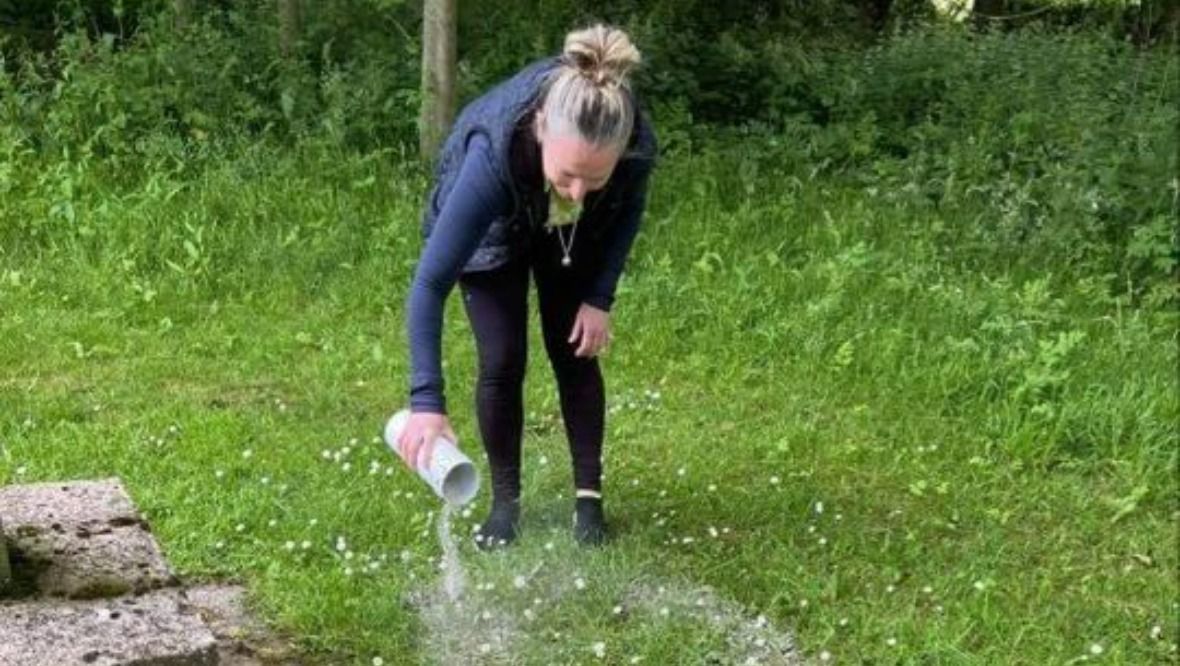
{"type": "Point", "coordinates": [574, 166]}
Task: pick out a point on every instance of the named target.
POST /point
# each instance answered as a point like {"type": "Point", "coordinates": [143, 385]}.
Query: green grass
{"type": "Point", "coordinates": [993, 443]}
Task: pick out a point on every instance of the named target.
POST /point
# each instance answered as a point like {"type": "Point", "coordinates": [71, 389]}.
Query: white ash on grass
{"type": "Point", "coordinates": [505, 608]}
{"type": "Point", "coordinates": [749, 638]}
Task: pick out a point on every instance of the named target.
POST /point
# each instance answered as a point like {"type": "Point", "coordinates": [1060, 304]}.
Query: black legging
{"type": "Point", "coordinates": [497, 306]}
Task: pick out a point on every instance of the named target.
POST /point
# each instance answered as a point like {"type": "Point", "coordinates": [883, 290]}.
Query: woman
{"type": "Point", "coordinates": [546, 173]}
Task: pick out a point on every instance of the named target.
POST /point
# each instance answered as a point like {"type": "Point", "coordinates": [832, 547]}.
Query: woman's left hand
{"type": "Point", "coordinates": [591, 331]}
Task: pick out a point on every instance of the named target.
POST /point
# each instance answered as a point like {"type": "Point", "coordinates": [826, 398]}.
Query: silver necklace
{"type": "Point", "coordinates": [561, 214]}
{"type": "Point", "coordinates": [566, 247]}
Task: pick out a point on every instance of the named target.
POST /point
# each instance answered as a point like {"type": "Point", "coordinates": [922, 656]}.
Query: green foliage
{"type": "Point", "coordinates": [994, 444]}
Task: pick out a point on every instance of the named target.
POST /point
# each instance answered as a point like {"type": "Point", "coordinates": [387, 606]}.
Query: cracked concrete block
{"type": "Point", "coordinates": [5, 567]}
{"type": "Point", "coordinates": [82, 540]}
{"type": "Point", "coordinates": [157, 629]}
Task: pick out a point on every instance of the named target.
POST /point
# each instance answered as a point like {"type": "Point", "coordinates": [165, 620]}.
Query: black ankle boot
{"type": "Point", "coordinates": [589, 521]}
{"type": "Point", "coordinates": [500, 527]}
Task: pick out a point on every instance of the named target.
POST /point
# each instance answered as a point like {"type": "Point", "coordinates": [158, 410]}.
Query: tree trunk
{"type": "Point", "coordinates": [438, 74]}
{"type": "Point", "coordinates": [984, 12]}
{"type": "Point", "coordinates": [288, 27]}
{"type": "Point", "coordinates": [184, 13]}
{"type": "Point", "coordinates": [874, 14]}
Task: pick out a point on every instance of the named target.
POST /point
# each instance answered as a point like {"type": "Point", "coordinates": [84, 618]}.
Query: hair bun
{"type": "Point", "coordinates": [602, 54]}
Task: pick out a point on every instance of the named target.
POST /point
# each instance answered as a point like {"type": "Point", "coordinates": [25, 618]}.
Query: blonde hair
{"type": "Point", "coordinates": [588, 95]}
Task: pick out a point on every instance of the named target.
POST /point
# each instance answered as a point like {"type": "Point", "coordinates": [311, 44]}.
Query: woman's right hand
{"type": "Point", "coordinates": [417, 438]}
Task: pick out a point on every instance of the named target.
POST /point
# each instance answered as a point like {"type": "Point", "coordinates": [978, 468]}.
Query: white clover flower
{"type": "Point", "coordinates": [290, 545]}
{"type": "Point", "coordinates": [1156, 632]}
{"type": "Point", "coordinates": [617, 610]}
{"type": "Point", "coordinates": [548, 545]}
{"type": "Point", "coordinates": [825, 656]}
{"type": "Point", "coordinates": [544, 460]}
{"type": "Point", "coordinates": [247, 453]}
{"type": "Point", "coordinates": [536, 601]}
{"type": "Point", "coordinates": [352, 441]}
{"type": "Point", "coordinates": [580, 583]}
{"type": "Point", "coordinates": [485, 648]}
{"type": "Point", "coordinates": [218, 473]}
{"type": "Point", "coordinates": [378, 661]}
{"type": "Point", "coordinates": [348, 555]}
{"type": "Point", "coordinates": [345, 451]}
{"type": "Point", "coordinates": [687, 540]}
{"type": "Point", "coordinates": [346, 466]}
{"type": "Point", "coordinates": [839, 516]}
{"type": "Point", "coordinates": [760, 621]}
{"type": "Point", "coordinates": [811, 529]}
{"type": "Point", "coordinates": [891, 642]}
{"type": "Point", "coordinates": [305, 545]}
{"type": "Point", "coordinates": [529, 614]}
{"type": "Point", "coordinates": [890, 588]}
{"type": "Point", "coordinates": [712, 487]}
{"type": "Point", "coordinates": [928, 590]}
{"type": "Point", "coordinates": [823, 541]}
{"type": "Point", "coordinates": [713, 532]}
{"type": "Point", "coordinates": [1096, 649]}
{"type": "Point", "coordinates": [664, 611]}
{"type": "Point", "coordinates": [519, 582]}
{"type": "Point", "coordinates": [843, 622]}
{"type": "Point", "coordinates": [219, 545]}
{"type": "Point", "coordinates": [313, 522]}
{"type": "Point", "coordinates": [681, 472]}
{"type": "Point", "coordinates": [239, 527]}
{"type": "Point", "coordinates": [347, 571]}
{"type": "Point", "coordinates": [265, 480]}
{"type": "Point", "coordinates": [803, 603]}
{"type": "Point", "coordinates": [819, 507]}
{"type": "Point", "coordinates": [774, 480]}
{"type": "Point", "coordinates": [599, 649]}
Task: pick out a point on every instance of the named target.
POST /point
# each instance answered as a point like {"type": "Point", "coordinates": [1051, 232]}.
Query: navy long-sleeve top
{"type": "Point", "coordinates": [477, 198]}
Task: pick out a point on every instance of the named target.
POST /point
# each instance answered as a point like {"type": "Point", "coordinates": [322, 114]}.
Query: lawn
{"type": "Point", "coordinates": [831, 414]}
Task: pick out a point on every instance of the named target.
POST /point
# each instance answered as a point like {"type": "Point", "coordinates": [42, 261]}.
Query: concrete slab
{"type": "Point", "coordinates": [5, 567]}
{"type": "Point", "coordinates": [155, 629]}
{"type": "Point", "coordinates": [243, 640]}
{"type": "Point", "coordinates": [82, 540]}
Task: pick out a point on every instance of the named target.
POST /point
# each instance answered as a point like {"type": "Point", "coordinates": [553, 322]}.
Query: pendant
{"type": "Point", "coordinates": [566, 261]}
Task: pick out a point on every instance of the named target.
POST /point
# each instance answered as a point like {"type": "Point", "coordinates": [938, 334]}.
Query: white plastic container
{"type": "Point", "coordinates": [450, 474]}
